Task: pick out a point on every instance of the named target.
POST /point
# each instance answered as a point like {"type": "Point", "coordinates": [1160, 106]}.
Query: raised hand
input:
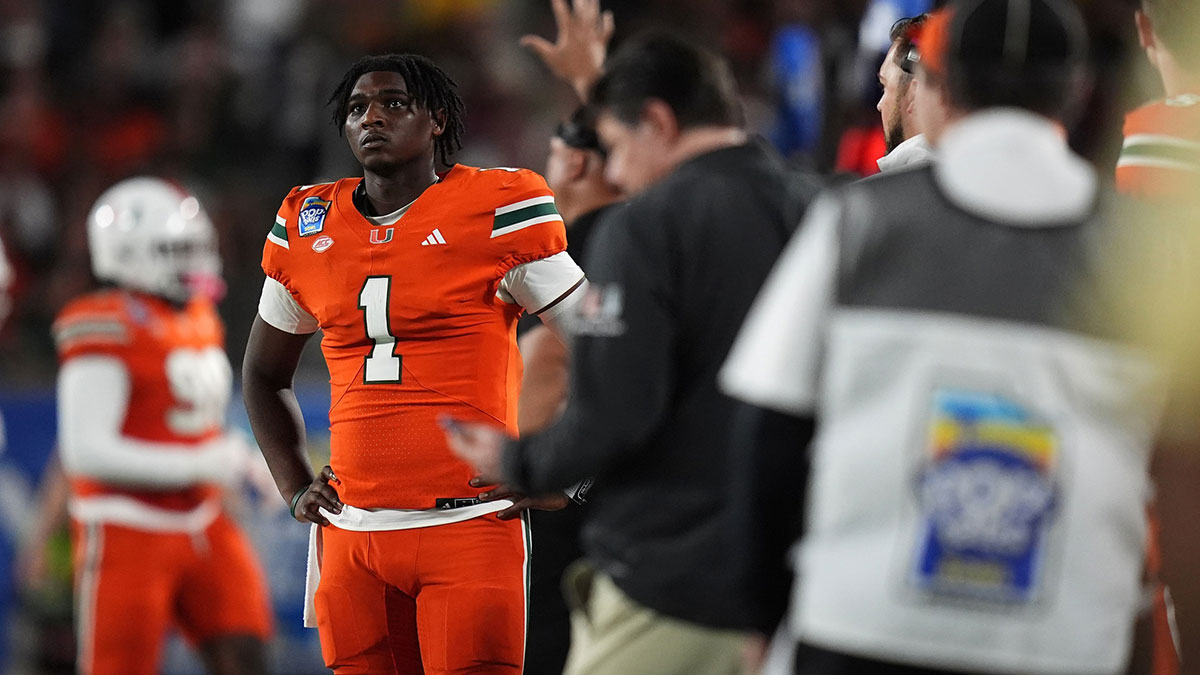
{"type": "Point", "coordinates": [577, 54]}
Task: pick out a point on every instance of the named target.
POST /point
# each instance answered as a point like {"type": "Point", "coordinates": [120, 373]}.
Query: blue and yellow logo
{"type": "Point", "coordinates": [987, 496]}
{"type": "Point", "coordinates": [312, 215]}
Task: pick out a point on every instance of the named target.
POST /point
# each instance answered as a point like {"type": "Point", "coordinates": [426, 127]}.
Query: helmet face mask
{"type": "Point", "coordinates": [148, 235]}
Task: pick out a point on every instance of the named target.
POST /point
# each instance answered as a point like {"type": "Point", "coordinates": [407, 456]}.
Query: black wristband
{"type": "Point", "coordinates": [296, 500]}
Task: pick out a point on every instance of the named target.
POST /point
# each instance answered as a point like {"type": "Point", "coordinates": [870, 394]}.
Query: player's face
{"type": "Point", "coordinates": [638, 155]}
{"type": "Point", "coordinates": [384, 127]}
{"type": "Point", "coordinates": [892, 79]}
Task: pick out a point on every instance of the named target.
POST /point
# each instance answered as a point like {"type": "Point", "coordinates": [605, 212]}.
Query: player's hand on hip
{"type": "Point", "coordinates": [319, 494]}
{"type": "Point", "coordinates": [480, 445]}
{"type": "Point", "coordinates": [550, 502]}
{"type": "Point", "coordinates": [577, 54]}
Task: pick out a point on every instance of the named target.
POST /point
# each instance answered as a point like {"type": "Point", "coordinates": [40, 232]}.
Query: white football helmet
{"type": "Point", "coordinates": [149, 235]}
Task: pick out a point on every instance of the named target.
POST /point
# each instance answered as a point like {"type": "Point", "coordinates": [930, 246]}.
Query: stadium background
{"type": "Point", "coordinates": [229, 99]}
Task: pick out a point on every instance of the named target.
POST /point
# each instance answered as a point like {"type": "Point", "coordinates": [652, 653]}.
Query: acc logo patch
{"type": "Point", "coordinates": [987, 496]}
{"type": "Point", "coordinates": [312, 215]}
{"type": "Point", "coordinates": [322, 243]}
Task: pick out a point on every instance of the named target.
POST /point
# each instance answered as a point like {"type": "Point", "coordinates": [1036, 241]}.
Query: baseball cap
{"type": "Point", "coordinates": [1016, 34]}
{"type": "Point", "coordinates": [1002, 52]}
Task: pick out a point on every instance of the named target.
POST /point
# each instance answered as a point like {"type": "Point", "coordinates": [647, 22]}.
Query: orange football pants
{"type": "Point", "coordinates": [442, 599]}
{"type": "Point", "coordinates": [132, 585]}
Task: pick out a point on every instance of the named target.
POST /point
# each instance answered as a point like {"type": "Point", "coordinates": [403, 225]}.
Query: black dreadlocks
{"type": "Point", "coordinates": [430, 87]}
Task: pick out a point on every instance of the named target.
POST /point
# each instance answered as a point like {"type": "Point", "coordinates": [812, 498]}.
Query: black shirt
{"type": "Point", "coordinates": [673, 273]}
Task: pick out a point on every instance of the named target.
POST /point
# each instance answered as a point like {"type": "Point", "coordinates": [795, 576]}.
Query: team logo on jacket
{"type": "Point", "coordinates": [312, 215]}
{"type": "Point", "coordinates": [601, 311]}
{"type": "Point", "coordinates": [987, 496]}
{"type": "Point", "coordinates": [381, 236]}
{"type": "Point", "coordinates": [322, 243]}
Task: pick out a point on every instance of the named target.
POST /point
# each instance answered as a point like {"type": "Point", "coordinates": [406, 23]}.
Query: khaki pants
{"type": "Point", "coordinates": [613, 635]}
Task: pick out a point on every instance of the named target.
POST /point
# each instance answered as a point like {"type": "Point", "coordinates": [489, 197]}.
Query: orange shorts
{"type": "Point", "coordinates": [442, 599]}
{"type": "Point", "coordinates": [132, 585]}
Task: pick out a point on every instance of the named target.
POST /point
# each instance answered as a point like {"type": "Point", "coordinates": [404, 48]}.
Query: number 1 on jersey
{"type": "Point", "coordinates": [382, 364]}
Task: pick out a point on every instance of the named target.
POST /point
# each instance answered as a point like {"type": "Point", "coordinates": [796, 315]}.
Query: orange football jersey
{"type": "Point", "coordinates": [412, 325]}
{"type": "Point", "coordinates": [179, 375]}
{"type": "Point", "coordinates": [1161, 152]}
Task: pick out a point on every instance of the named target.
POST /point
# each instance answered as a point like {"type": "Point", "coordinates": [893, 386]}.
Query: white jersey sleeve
{"type": "Point", "coordinates": [93, 397]}
{"type": "Point", "coordinates": [775, 360]}
{"type": "Point", "coordinates": [549, 288]}
{"type": "Point", "coordinates": [277, 307]}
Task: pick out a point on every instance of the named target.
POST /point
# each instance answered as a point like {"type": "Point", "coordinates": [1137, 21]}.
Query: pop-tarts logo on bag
{"type": "Point", "coordinates": [312, 215]}
{"type": "Point", "coordinates": [987, 496]}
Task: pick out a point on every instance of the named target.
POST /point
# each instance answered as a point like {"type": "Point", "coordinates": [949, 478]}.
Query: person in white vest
{"type": "Point", "coordinates": [979, 460]}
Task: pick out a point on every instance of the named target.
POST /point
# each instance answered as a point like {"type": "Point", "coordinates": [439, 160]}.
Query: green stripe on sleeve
{"type": "Point", "coordinates": [1161, 151]}
{"type": "Point", "coordinates": [521, 215]}
{"type": "Point", "coordinates": [279, 230]}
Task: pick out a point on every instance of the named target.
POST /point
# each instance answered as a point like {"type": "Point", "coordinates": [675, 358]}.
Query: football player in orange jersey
{"type": "Point", "coordinates": [1160, 160]}
{"type": "Point", "coordinates": [142, 393]}
{"type": "Point", "coordinates": [416, 280]}
{"type": "Point", "coordinates": [1161, 153]}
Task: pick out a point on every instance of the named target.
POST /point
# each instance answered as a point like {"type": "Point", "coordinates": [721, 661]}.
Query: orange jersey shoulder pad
{"type": "Point", "coordinates": [301, 214]}
{"type": "Point", "coordinates": [526, 225]}
{"type": "Point", "coordinates": [96, 323]}
{"type": "Point", "coordinates": [1161, 150]}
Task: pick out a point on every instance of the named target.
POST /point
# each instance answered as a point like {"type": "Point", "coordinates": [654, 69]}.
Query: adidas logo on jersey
{"type": "Point", "coordinates": [435, 238]}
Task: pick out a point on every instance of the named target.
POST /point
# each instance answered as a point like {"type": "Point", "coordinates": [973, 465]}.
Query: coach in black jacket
{"type": "Point", "coordinates": [672, 274]}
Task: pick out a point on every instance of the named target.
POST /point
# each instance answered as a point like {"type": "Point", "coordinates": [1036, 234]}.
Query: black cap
{"type": "Point", "coordinates": [1023, 53]}
{"type": "Point", "coordinates": [1017, 34]}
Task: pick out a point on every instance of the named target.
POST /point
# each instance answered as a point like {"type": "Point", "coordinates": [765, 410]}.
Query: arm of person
{"type": "Point", "coordinates": [33, 567]}
{"type": "Point", "coordinates": [622, 367]}
{"type": "Point", "coordinates": [544, 382]}
{"type": "Point", "coordinates": [550, 289]}
{"type": "Point", "coordinates": [766, 482]}
{"type": "Point", "coordinates": [277, 339]}
{"type": "Point", "coordinates": [93, 399]}
{"type": "Point", "coordinates": [576, 57]}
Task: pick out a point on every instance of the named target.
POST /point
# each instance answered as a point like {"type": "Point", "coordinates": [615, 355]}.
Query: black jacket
{"type": "Point", "coordinates": [672, 273]}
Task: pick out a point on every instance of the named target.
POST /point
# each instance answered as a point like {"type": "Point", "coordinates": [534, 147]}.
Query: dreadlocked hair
{"type": "Point", "coordinates": [429, 86]}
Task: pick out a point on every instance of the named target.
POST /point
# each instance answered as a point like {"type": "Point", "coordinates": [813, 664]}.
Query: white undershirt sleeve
{"type": "Point", "coordinates": [277, 307]}
{"type": "Point", "coordinates": [551, 288]}
{"type": "Point", "coordinates": [93, 396]}
{"type": "Point", "coordinates": [775, 361]}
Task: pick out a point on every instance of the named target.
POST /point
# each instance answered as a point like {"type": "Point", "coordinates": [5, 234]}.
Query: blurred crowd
{"type": "Point", "coordinates": [229, 99]}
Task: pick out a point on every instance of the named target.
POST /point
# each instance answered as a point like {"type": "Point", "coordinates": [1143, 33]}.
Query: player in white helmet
{"type": "Point", "coordinates": [143, 386]}
{"type": "Point", "coordinates": [148, 235]}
